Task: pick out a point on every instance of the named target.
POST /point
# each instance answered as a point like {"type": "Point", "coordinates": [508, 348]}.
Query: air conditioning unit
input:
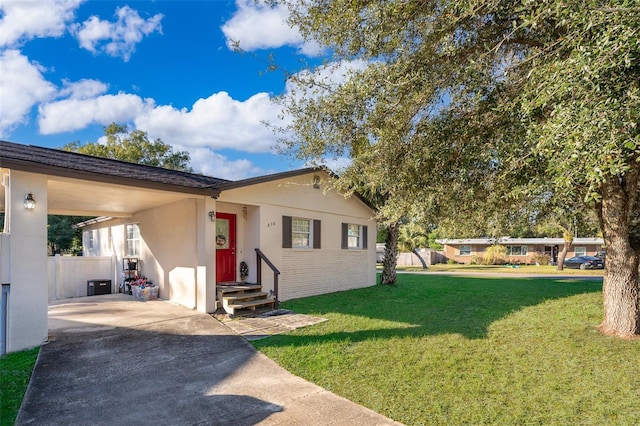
{"type": "Point", "coordinates": [97, 287]}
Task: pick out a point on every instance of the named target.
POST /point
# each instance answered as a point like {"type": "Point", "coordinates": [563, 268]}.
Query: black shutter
{"type": "Point", "coordinates": [286, 232]}
{"type": "Point", "coordinates": [364, 237]}
{"type": "Point", "coordinates": [345, 235]}
{"type": "Point", "coordinates": [316, 234]}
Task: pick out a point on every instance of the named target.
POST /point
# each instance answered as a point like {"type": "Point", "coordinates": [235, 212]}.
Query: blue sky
{"type": "Point", "coordinates": [68, 68]}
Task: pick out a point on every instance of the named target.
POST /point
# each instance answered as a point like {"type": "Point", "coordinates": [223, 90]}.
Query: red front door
{"type": "Point", "coordinates": [225, 247]}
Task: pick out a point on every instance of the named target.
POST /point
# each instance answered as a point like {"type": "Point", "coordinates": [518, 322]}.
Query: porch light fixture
{"type": "Point", "coordinates": [29, 202]}
{"type": "Point", "coordinates": [212, 215]}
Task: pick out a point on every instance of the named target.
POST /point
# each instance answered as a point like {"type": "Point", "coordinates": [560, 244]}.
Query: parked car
{"type": "Point", "coordinates": [584, 262]}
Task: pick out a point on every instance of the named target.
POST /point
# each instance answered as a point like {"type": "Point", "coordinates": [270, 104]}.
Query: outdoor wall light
{"type": "Point", "coordinates": [29, 202]}
{"type": "Point", "coordinates": [212, 215]}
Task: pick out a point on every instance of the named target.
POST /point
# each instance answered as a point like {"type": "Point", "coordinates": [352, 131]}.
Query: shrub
{"type": "Point", "coordinates": [540, 259]}
{"type": "Point", "coordinates": [495, 255]}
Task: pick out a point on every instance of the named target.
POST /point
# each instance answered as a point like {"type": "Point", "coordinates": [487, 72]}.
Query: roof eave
{"type": "Point", "coordinates": [28, 166]}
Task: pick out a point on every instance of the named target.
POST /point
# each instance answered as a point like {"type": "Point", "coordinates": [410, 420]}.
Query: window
{"type": "Point", "coordinates": [91, 239]}
{"type": "Point", "coordinates": [517, 250]}
{"type": "Point", "coordinates": [300, 232]}
{"type": "Point", "coordinates": [580, 251]}
{"type": "Point", "coordinates": [465, 250]}
{"type": "Point", "coordinates": [132, 244]}
{"type": "Point", "coordinates": [301, 235]}
{"type": "Point", "coordinates": [354, 236]}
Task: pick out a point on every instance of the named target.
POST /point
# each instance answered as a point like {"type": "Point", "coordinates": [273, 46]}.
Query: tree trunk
{"type": "Point", "coordinates": [619, 214]}
{"type": "Point", "coordinates": [561, 256]}
{"type": "Point", "coordinates": [424, 264]}
{"type": "Point", "coordinates": [567, 236]}
{"type": "Point", "coordinates": [390, 260]}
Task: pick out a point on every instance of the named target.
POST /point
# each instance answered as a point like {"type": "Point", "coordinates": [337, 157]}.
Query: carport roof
{"type": "Point", "coordinates": [73, 165]}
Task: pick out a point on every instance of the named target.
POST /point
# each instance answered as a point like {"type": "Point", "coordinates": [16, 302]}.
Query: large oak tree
{"type": "Point", "coordinates": [135, 147]}
{"type": "Point", "coordinates": [454, 107]}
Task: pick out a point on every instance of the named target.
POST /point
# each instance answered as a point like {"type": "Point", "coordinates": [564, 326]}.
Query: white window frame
{"type": "Point", "coordinates": [354, 236]}
{"type": "Point", "coordinates": [522, 250]}
{"type": "Point", "coordinates": [91, 239]}
{"type": "Point", "coordinates": [465, 252]}
{"type": "Point", "coordinates": [132, 240]}
{"type": "Point", "coordinates": [298, 234]}
{"type": "Point", "coordinates": [580, 251]}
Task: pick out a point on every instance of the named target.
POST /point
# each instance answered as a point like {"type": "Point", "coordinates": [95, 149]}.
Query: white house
{"type": "Point", "coordinates": [188, 232]}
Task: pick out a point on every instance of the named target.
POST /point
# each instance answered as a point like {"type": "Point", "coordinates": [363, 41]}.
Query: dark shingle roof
{"type": "Point", "coordinates": [70, 164]}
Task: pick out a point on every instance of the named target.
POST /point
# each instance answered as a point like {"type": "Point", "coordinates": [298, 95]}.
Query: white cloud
{"type": "Point", "coordinates": [26, 20]}
{"type": "Point", "coordinates": [216, 122]}
{"type": "Point", "coordinates": [210, 163]}
{"type": "Point", "coordinates": [83, 89]}
{"type": "Point", "coordinates": [22, 86]}
{"type": "Point", "coordinates": [257, 25]}
{"type": "Point", "coordinates": [337, 165]}
{"type": "Point", "coordinates": [325, 77]}
{"type": "Point", "coordinates": [117, 38]}
{"type": "Point", "coordinates": [76, 113]}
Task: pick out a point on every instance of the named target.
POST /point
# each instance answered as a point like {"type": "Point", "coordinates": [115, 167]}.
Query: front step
{"type": "Point", "coordinates": [243, 296]}
{"type": "Point", "coordinates": [248, 304]}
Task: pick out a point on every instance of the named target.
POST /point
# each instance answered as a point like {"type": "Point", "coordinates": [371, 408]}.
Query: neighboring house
{"type": "Point", "coordinates": [188, 232]}
{"type": "Point", "coordinates": [519, 250]}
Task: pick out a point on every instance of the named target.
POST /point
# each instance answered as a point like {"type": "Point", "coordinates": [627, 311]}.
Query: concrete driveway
{"type": "Point", "coordinates": [112, 360]}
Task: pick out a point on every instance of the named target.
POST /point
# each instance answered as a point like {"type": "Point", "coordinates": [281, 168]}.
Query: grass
{"type": "Point", "coordinates": [520, 269]}
{"type": "Point", "coordinates": [15, 371]}
{"type": "Point", "coordinates": [448, 350]}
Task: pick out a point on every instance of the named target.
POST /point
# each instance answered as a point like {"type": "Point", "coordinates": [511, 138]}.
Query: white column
{"type": "Point", "coordinates": [28, 246]}
{"type": "Point", "coordinates": [206, 256]}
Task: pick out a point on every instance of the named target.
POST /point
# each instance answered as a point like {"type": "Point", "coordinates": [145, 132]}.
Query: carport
{"type": "Point", "coordinates": [39, 181]}
{"type": "Point", "coordinates": [113, 360]}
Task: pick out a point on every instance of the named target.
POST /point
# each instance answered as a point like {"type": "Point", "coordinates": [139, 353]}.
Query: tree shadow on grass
{"type": "Point", "coordinates": [425, 305]}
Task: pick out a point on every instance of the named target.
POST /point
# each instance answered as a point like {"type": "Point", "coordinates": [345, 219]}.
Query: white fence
{"type": "Point", "coordinates": [68, 275]}
{"type": "Point", "coordinates": [430, 256]}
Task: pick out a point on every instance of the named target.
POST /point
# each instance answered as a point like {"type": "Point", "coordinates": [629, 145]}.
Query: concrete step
{"type": "Point", "coordinates": [248, 304]}
{"type": "Point", "coordinates": [245, 296]}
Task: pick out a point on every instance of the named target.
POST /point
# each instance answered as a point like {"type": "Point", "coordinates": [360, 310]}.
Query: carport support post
{"type": "Point", "coordinates": [27, 309]}
{"type": "Point", "coordinates": [206, 268]}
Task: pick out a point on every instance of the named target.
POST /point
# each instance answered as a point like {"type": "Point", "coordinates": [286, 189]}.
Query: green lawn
{"type": "Point", "coordinates": [15, 371]}
{"type": "Point", "coordinates": [448, 350]}
{"type": "Point", "coordinates": [520, 269]}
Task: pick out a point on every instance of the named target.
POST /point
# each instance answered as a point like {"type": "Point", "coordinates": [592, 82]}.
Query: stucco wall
{"type": "Point", "coordinates": [168, 247]}
{"type": "Point", "coordinates": [178, 248]}
{"type": "Point", "coordinates": [305, 272]}
{"type": "Point", "coordinates": [27, 310]}
{"type": "Point", "coordinates": [170, 244]}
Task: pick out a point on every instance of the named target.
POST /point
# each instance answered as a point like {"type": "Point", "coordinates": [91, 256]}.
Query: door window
{"type": "Point", "coordinates": [222, 233]}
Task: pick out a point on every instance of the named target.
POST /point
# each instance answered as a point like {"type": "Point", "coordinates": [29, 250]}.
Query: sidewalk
{"type": "Point", "coordinates": [267, 324]}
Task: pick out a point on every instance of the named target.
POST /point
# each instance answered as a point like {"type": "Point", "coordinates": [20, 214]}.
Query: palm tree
{"type": "Point", "coordinates": [412, 237]}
